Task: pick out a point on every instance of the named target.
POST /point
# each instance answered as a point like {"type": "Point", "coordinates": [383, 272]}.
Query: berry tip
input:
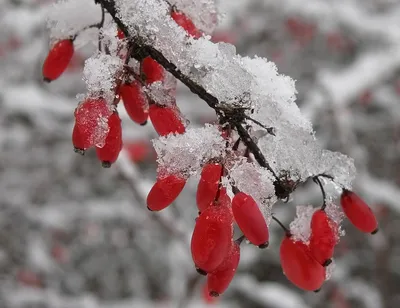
{"type": "Point", "coordinates": [105, 164]}
{"type": "Point", "coordinates": [201, 272]}
{"type": "Point", "coordinates": [375, 231]}
{"type": "Point", "coordinates": [79, 151]}
{"type": "Point", "coordinates": [263, 246]}
{"type": "Point", "coordinates": [214, 294]}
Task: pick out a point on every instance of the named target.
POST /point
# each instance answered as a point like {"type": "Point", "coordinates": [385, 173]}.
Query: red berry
{"type": "Point", "coordinates": [212, 238]}
{"type": "Point", "coordinates": [299, 267]}
{"type": "Point", "coordinates": [223, 198]}
{"type": "Point", "coordinates": [208, 185]}
{"type": "Point", "coordinates": [152, 70]}
{"type": "Point", "coordinates": [206, 295]}
{"type": "Point", "coordinates": [250, 220]}
{"type": "Point", "coordinates": [164, 192]}
{"type": "Point", "coordinates": [120, 34]}
{"type": "Point", "coordinates": [139, 151]}
{"type": "Point", "coordinates": [89, 116]}
{"type": "Point", "coordinates": [108, 154]}
{"type": "Point", "coordinates": [185, 22]}
{"type": "Point", "coordinates": [358, 212]}
{"type": "Point", "coordinates": [58, 59]}
{"type": "Point", "coordinates": [323, 237]}
{"type": "Point", "coordinates": [135, 102]}
{"type": "Point", "coordinates": [219, 280]}
{"type": "Point", "coordinates": [166, 120]}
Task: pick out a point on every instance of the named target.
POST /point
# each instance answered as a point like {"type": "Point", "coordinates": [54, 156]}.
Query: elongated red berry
{"type": "Point", "coordinates": [250, 220]}
{"type": "Point", "coordinates": [208, 185]}
{"type": "Point", "coordinates": [219, 280]}
{"type": "Point", "coordinates": [223, 199]}
{"type": "Point", "coordinates": [135, 102]}
{"type": "Point", "coordinates": [152, 71]}
{"type": "Point", "coordinates": [212, 238]}
{"type": "Point", "coordinates": [89, 116]}
{"type": "Point", "coordinates": [299, 267]}
{"type": "Point", "coordinates": [166, 120]}
{"type": "Point", "coordinates": [57, 60]}
{"type": "Point", "coordinates": [164, 192]}
{"type": "Point", "coordinates": [182, 20]}
{"type": "Point", "coordinates": [358, 212]}
{"type": "Point", "coordinates": [323, 237]}
{"type": "Point", "coordinates": [108, 154]}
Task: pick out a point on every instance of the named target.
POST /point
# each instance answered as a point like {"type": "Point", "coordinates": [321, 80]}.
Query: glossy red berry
{"type": "Point", "coordinates": [89, 116]}
{"type": "Point", "coordinates": [164, 192]}
{"type": "Point", "coordinates": [219, 280]}
{"type": "Point", "coordinates": [358, 212]}
{"type": "Point", "coordinates": [108, 154]}
{"type": "Point", "coordinates": [57, 60]}
{"type": "Point", "coordinates": [299, 266]}
{"type": "Point", "coordinates": [212, 238]}
{"type": "Point", "coordinates": [135, 102]}
{"type": "Point", "coordinates": [208, 185]}
{"type": "Point", "coordinates": [250, 220]}
{"type": "Point", "coordinates": [166, 120]}
{"type": "Point", "coordinates": [323, 237]}
{"type": "Point", "coordinates": [185, 22]}
{"type": "Point", "coordinates": [152, 71]}
{"type": "Point", "coordinates": [223, 199]}
{"type": "Point", "coordinates": [120, 34]}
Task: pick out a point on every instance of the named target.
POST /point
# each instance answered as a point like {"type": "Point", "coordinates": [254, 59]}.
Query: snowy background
{"type": "Point", "coordinates": [73, 234]}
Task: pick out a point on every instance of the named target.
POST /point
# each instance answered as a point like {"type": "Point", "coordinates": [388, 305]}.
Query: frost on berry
{"type": "Point", "coordinates": [300, 226]}
{"type": "Point", "coordinates": [174, 156]}
{"type": "Point", "coordinates": [99, 74]}
{"type": "Point", "coordinates": [91, 118]}
{"type": "Point", "coordinates": [256, 182]}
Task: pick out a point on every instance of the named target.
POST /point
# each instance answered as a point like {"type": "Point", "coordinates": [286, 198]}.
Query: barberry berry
{"type": "Point", "coordinates": [164, 192]}
{"type": "Point", "coordinates": [182, 20]}
{"type": "Point", "coordinates": [152, 71]}
{"type": "Point", "coordinates": [250, 220]}
{"type": "Point", "coordinates": [57, 59]}
{"type": "Point", "coordinates": [135, 102]}
{"type": "Point", "coordinates": [88, 115]}
{"type": "Point", "coordinates": [212, 238]}
{"type": "Point", "coordinates": [166, 120]}
{"type": "Point", "coordinates": [219, 280]}
{"type": "Point", "coordinates": [323, 237]}
{"type": "Point", "coordinates": [108, 154]}
{"type": "Point", "coordinates": [299, 266]}
{"type": "Point", "coordinates": [208, 185]}
{"type": "Point", "coordinates": [358, 212]}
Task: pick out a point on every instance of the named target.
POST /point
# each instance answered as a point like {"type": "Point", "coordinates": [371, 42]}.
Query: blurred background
{"type": "Point", "coordinates": [73, 234]}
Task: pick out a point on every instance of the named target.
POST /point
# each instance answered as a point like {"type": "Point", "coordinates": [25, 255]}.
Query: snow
{"type": "Point", "coordinates": [175, 157]}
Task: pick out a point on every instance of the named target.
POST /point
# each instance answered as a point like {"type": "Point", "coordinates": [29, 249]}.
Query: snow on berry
{"type": "Point", "coordinates": [300, 227]}
{"type": "Point", "coordinates": [256, 182]}
{"type": "Point", "coordinates": [100, 74]}
{"type": "Point", "coordinates": [175, 156]}
{"type": "Point", "coordinates": [91, 122]}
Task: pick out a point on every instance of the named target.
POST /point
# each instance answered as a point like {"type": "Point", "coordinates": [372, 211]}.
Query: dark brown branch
{"type": "Point", "coordinates": [141, 51]}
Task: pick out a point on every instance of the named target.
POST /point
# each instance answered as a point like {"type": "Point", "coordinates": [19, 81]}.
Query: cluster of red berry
{"type": "Point", "coordinates": [304, 263]}
{"type": "Point", "coordinates": [215, 252]}
{"type": "Point", "coordinates": [94, 113]}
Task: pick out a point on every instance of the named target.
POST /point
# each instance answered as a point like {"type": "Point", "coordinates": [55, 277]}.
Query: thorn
{"type": "Point", "coordinates": [201, 272]}
{"type": "Point", "coordinates": [79, 151]}
{"type": "Point", "coordinates": [214, 294]}
{"type": "Point", "coordinates": [327, 262]}
{"type": "Point", "coordinates": [375, 231]}
{"type": "Point", "coordinates": [263, 246]}
{"type": "Point", "coordinates": [105, 164]}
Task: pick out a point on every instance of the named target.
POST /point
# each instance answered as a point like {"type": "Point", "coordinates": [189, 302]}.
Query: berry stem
{"type": "Point", "coordinates": [318, 181]}
{"type": "Point", "coordinates": [288, 234]}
